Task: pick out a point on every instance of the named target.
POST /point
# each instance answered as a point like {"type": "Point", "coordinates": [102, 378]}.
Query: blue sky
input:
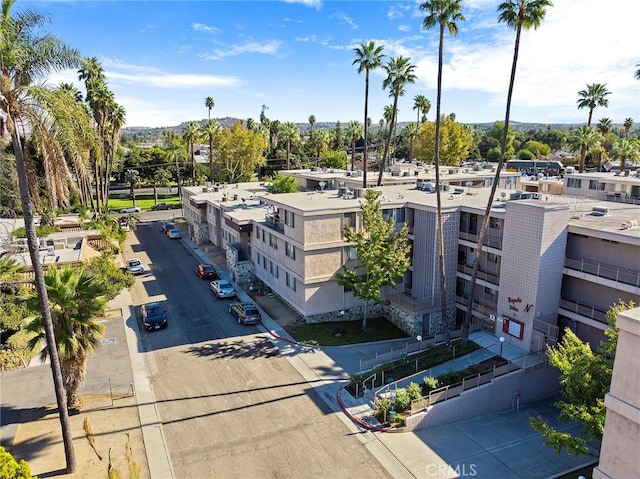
{"type": "Point", "coordinates": [163, 58]}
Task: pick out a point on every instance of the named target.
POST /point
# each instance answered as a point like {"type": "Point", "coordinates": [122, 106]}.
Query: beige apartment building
{"type": "Point", "coordinates": [547, 262]}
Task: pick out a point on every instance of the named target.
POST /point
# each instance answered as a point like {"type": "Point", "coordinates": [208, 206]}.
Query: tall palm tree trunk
{"type": "Point", "coordinates": [387, 143]}
{"type": "Point", "coordinates": [353, 153]}
{"type": "Point", "coordinates": [366, 128]}
{"type": "Point", "coordinates": [485, 221]}
{"type": "Point", "coordinates": [443, 278]}
{"type": "Point", "coordinates": [41, 288]}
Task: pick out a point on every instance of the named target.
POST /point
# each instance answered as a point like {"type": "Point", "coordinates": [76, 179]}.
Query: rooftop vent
{"type": "Point", "coordinates": [599, 211]}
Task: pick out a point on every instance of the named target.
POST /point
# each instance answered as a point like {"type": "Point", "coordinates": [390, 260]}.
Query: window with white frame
{"type": "Point", "coordinates": [273, 241]}
{"type": "Point", "coordinates": [291, 281]}
{"type": "Point", "coordinates": [273, 269]}
{"type": "Point", "coordinates": [290, 250]}
{"type": "Point", "coordinates": [350, 253]}
{"type": "Point", "coordinates": [494, 223]}
{"type": "Point", "coordinates": [574, 183]}
{"type": "Point", "coordinates": [289, 218]}
{"type": "Point", "coordinates": [596, 185]}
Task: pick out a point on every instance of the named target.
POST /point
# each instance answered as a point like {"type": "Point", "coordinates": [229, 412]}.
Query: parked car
{"type": "Point", "coordinates": [130, 209]}
{"type": "Point", "coordinates": [174, 233]}
{"type": "Point", "coordinates": [166, 226]}
{"type": "Point", "coordinates": [161, 206]}
{"type": "Point", "coordinates": [245, 313]}
{"type": "Point", "coordinates": [153, 316]}
{"type": "Point", "coordinates": [135, 266]}
{"type": "Point", "coordinates": [206, 271]}
{"type": "Point", "coordinates": [222, 288]}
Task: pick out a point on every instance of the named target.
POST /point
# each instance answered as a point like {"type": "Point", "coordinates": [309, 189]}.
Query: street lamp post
{"type": "Point", "coordinates": [502, 339]}
{"type": "Point", "coordinates": [419, 339]}
{"type": "Point", "coordinates": [342, 312]}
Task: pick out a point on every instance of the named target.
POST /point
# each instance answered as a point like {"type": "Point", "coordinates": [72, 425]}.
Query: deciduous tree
{"type": "Point", "coordinates": [239, 153]}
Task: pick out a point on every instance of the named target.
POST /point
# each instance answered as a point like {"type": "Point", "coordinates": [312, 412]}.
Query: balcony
{"type": "Point", "coordinates": [585, 310]}
{"type": "Point", "coordinates": [483, 275]}
{"type": "Point", "coordinates": [492, 241]}
{"type": "Point", "coordinates": [273, 221]}
{"type": "Point", "coordinates": [480, 306]}
{"type": "Point", "coordinates": [606, 271]}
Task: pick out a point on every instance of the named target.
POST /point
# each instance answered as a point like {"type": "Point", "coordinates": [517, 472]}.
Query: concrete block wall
{"type": "Point", "coordinates": [493, 397]}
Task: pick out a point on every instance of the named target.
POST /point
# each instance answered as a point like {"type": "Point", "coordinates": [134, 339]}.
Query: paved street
{"type": "Point", "coordinates": [230, 404]}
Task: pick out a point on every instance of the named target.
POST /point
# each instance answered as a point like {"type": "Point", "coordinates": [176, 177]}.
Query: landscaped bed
{"type": "Point", "coordinates": [346, 332]}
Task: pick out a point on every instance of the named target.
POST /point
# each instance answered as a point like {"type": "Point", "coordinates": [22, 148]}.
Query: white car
{"type": "Point", "coordinates": [130, 209]}
{"type": "Point", "coordinates": [222, 288]}
{"type": "Point", "coordinates": [135, 266]}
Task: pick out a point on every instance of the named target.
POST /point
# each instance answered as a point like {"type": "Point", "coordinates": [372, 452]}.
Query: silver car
{"type": "Point", "coordinates": [135, 266]}
{"type": "Point", "coordinates": [222, 288]}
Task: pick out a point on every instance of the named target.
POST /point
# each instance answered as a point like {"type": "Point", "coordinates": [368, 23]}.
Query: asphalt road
{"type": "Point", "coordinates": [231, 405]}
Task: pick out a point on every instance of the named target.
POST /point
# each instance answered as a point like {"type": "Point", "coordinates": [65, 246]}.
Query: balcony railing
{"type": "Point", "coordinates": [603, 270]}
{"type": "Point", "coordinates": [273, 220]}
{"type": "Point", "coordinates": [583, 309]}
{"type": "Point", "coordinates": [482, 307]}
{"type": "Point", "coordinates": [484, 275]}
{"type": "Point", "coordinates": [490, 240]}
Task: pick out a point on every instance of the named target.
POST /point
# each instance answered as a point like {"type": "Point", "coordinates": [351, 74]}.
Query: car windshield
{"type": "Point", "coordinates": [225, 286]}
{"type": "Point", "coordinates": [251, 312]}
{"type": "Point", "coordinates": [153, 310]}
{"type": "Point", "coordinates": [134, 263]}
{"type": "Point", "coordinates": [208, 269]}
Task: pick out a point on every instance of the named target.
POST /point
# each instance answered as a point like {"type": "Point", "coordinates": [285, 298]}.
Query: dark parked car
{"type": "Point", "coordinates": [245, 313]}
{"type": "Point", "coordinates": [153, 316]}
{"type": "Point", "coordinates": [161, 206]}
{"type": "Point", "coordinates": [166, 226]}
{"type": "Point", "coordinates": [206, 271]}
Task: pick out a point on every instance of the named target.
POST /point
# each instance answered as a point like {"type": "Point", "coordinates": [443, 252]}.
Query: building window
{"type": "Point", "coordinates": [273, 241]}
{"type": "Point", "coordinates": [494, 223]}
{"type": "Point", "coordinates": [596, 185]}
{"type": "Point", "coordinates": [273, 269]}
{"type": "Point", "coordinates": [290, 250]}
{"type": "Point", "coordinates": [257, 233]}
{"type": "Point", "coordinates": [291, 281]}
{"type": "Point", "coordinates": [492, 257]}
{"type": "Point", "coordinates": [264, 262]}
{"type": "Point", "coordinates": [289, 218]}
{"type": "Point", "coordinates": [401, 215]}
{"type": "Point", "coordinates": [349, 220]}
{"type": "Point", "coordinates": [574, 183]}
{"type": "Point", "coordinates": [258, 258]}
{"type": "Point", "coordinates": [350, 253]}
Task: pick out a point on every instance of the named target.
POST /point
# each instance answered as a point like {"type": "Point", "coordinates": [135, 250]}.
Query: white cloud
{"type": "Point", "coordinates": [176, 80]}
{"type": "Point", "coordinates": [394, 12]}
{"type": "Point", "coordinates": [266, 48]}
{"type": "Point", "coordinates": [309, 3]}
{"type": "Point", "coordinates": [404, 28]}
{"type": "Point", "coordinates": [201, 27]}
{"type": "Point", "coordinates": [346, 19]}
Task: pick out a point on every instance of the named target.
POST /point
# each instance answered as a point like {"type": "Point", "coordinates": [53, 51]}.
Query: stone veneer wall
{"type": "Point", "coordinates": [410, 324]}
{"type": "Point", "coordinates": [242, 272]}
{"type": "Point", "coordinates": [200, 233]}
{"type": "Point", "coordinates": [351, 314]}
{"type": "Point", "coordinates": [492, 397]}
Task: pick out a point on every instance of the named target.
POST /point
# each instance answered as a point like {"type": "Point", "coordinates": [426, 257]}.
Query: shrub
{"type": "Point", "coordinates": [383, 406]}
{"type": "Point", "coordinates": [403, 401]}
{"type": "Point", "coordinates": [41, 231]}
{"type": "Point", "coordinates": [429, 384]}
{"type": "Point", "coordinates": [12, 469]}
{"type": "Point", "coordinates": [414, 391]}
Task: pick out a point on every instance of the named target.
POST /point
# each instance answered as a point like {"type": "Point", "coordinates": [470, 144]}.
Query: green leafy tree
{"type": "Point", "coordinates": [455, 142]}
{"type": "Point", "coordinates": [334, 159]}
{"type": "Point", "coordinates": [399, 72]}
{"type": "Point", "coordinates": [283, 184]}
{"type": "Point", "coordinates": [382, 254]}
{"type": "Point", "coordinates": [595, 95]}
{"type": "Point", "coordinates": [240, 152]}
{"type": "Point", "coordinates": [27, 55]}
{"type": "Point", "coordinates": [132, 178]}
{"type": "Point", "coordinates": [585, 376]}
{"type": "Point", "coordinates": [537, 148]}
{"type": "Point", "coordinates": [75, 298]}
{"type": "Point", "coordinates": [444, 14]}
{"type": "Point", "coordinates": [111, 279]}
{"type": "Point", "coordinates": [290, 133]}
{"type": "Point", "coordinates": [368, 57]}
{"type": "Point", "coordinates": [338, 137]}
{"type": "Point", "coordinates": [12, 469]}
{"type": "Point", "coordinates": [516, 14]}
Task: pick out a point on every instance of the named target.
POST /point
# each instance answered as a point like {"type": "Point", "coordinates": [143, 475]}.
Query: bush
{"type": "Point", "coordinates": [414, 391]}
{"type": "Point", "coordinates": [429, 384]}
{"type": "Point", "coordinates": [12, 469]}
{"type": "Point", "coordinates": [41, 231]}
{"type": "Point", "coordinates": [383, 406]}
{"type": "Point", "coordinates": [403, 401]}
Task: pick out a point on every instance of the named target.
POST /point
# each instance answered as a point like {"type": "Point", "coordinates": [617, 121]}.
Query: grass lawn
{"type": "Point", "coordinates": [144, 202]}
{"type": "Point", "coordinates": [347, 332]}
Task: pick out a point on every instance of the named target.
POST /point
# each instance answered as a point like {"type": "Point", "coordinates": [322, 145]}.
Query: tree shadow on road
{"type": "Point", "coordinates": [236, 349]}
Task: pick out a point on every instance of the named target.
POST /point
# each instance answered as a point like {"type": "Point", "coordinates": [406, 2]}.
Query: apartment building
{"type": "Point", "coordinates": [547, 261]}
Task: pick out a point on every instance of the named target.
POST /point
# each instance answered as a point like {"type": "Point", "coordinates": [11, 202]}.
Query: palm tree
{"type": "Point", "coordinates": [605, 125]}
{"type": "Point", "coordinates": [191, 136]}
{"type": "Point", "coordinates": [517, 14]}
{"type": "Point", "coordinates": [368, 57]}
{"type": "Point", "coordinates": [322, 140]}
{"type": "Point", "coordinates": [354, 132]}
{"type": "Point", "coordinates": [411, 131]}
{"type": "Point", "coordinates": [210, 131]}
{"type": "Point", "coordinates": [445, 14]}
{"type": "Point", "coordinates": [25, 56]}
{"type": "Point", "coordinates": [289, 133]}
{"type": "Point", "coordinates": [312, 121]}
{"type": "Point", "coordinates": [209, 103]}
{"type": "Point", "coordinates": [595, 95]}
{"type": "Point", "coordinates": [625, 150]}
{"type": "Point", "coordinates": [628, 123]}
{"type": "Point", "coordinates": [423, 105]}
{"type": "Point", "coordinates": [250, 124]}
{"type": "Point", "coordinates": [399, 73]}
{"type": "Point", "coordinates": [582, 139]}
{"type": "Point", "coordinates": [132, 178]}
{"type": "Point", "coordinates": [75, 298]}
